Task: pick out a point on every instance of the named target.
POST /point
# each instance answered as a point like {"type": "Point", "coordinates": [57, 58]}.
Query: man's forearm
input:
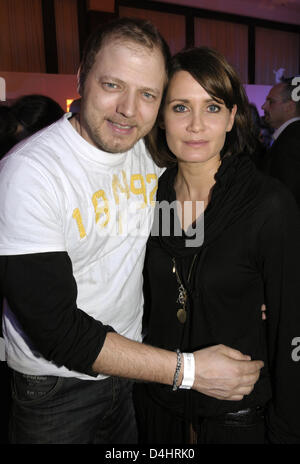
{"type": "Point", "coordinates": [125, 358]}
{"type": "Point", "coordinates": [221, 372]}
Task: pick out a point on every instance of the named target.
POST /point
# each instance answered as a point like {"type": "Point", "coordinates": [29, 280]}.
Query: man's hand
{"type": "Point", "coordinates": [225, 373]}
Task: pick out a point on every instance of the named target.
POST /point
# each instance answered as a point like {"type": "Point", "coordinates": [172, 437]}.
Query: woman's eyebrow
{"type": "Point", "coordinates": [186, 100]}
{"type": "Point", "coordinates": [182, 100]}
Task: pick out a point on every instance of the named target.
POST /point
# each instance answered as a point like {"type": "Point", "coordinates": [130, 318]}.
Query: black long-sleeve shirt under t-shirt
{"type": "Point", "coordinates": [41, 292]}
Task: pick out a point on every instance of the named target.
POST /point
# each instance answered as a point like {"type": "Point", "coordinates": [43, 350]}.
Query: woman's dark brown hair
{"type": "Point", "coordinates": [211, 70]}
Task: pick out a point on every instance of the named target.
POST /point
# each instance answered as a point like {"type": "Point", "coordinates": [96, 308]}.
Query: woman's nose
{"type": "Point", "coordinates": [196, 122]}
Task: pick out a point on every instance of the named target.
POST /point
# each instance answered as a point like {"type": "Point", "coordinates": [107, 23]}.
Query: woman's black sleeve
{"type": "Point", "coordinates": [41, 293]}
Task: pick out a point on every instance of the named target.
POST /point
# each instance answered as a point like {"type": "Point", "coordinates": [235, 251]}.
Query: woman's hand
{"type": "Point", "coordinates": [263, 312]}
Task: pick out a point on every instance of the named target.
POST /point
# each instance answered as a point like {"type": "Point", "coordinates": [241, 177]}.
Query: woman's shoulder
{"type": "Point", "coordinates": [166, 184]}
{"type": "Point", "coordinates": [168, 174]}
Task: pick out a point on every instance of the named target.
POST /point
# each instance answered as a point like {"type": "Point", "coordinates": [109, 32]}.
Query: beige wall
{"type": "Point", "coordinates": [60, 87]}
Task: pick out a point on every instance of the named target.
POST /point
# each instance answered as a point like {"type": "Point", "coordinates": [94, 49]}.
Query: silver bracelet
{"type": "Point", "coordinates": [177, 370]}
{"type": "Point", "coordinates": [188, 371]}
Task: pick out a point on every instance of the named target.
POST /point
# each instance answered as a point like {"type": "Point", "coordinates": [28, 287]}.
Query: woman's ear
{"type": "Point", "coordinates": [231, 118]}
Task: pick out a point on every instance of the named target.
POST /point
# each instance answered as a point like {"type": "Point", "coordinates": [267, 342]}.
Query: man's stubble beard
{"type": "Point", "coordinates": [98, 141]}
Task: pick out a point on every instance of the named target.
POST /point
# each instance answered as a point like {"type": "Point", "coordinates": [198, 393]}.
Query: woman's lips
{"type": "Point", "coordinates": [196, 143]}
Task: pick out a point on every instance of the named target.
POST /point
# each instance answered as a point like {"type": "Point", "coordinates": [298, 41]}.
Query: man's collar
{"type": "Point", "coordinates": [283, 126]}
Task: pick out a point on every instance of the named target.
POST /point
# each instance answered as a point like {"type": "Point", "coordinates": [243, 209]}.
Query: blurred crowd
{"type": "Point", "coordinates": [27, 115]}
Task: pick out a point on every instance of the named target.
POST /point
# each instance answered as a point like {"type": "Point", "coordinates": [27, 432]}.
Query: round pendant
{"type": "Point", "coordinates": [181, 315]}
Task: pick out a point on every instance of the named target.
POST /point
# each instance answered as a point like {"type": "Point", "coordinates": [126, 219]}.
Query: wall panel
{"type": "Point", "coordinates": [67, 36]}
{"type": "Point", "coordinates": [171, 26]}
{"type": "Point", "coordinates": [21, 36]}
{"type": "Point", "coordinates": [274, 50]}
{"type": "Point", "coordinates": [101, 5]}
{"type": "Point", "coordinates": [231, 39]}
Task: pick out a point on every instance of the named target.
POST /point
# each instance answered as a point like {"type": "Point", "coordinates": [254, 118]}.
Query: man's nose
{"type": "Point", "coordinates": [127, 104]}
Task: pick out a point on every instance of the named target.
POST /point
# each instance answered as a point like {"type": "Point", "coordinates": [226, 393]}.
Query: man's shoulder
{"type": "Point", "coordinates": [37, 149]}
{"type": "Point", "coordinates": [291, 132]}
{"type": "Point", "coordinates": [288, 142]}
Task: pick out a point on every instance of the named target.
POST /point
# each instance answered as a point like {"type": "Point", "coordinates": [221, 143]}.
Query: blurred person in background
{"type": "Point", "coordinates": [8, 127]}
{"type": "Point", "coordinates": [282, 113]}
{"type": "Point", "coordinates": [259, 154]}
{"type": "Point", "coordinates": [33, 113]}
{"type": "Point", "coordinates": [27, 115]}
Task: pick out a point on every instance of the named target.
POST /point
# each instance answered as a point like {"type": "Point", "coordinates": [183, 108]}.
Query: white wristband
{"type": "Point", "coordinates": [188, 371]}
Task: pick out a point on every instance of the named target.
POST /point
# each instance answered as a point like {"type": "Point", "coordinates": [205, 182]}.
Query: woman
{"type": "Point", "coordinates": [211, 293]}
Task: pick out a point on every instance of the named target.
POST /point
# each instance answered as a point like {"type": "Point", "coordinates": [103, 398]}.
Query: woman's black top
{"type": "Point", "coordinates": [250, 255]}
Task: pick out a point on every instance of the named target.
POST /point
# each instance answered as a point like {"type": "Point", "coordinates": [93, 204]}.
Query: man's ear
{"type": "Point", "coordinates": [78, 81]}
{"type": "Point", "coordinates": [291, 109]}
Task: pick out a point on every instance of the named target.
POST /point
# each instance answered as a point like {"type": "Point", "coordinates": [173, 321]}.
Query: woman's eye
{"type": "Point", "coordinates": [179, 108]}
{"type": "Point", "coordinates": [213, 108]}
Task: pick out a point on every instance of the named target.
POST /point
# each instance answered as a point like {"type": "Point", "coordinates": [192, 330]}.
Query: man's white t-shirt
{"type": "Point", "coordinates": [59, 193]}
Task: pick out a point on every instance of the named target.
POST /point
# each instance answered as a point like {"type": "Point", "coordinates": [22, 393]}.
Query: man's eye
{"type": "Point", "coordinates": [179, 108]}
{"type": "Point", "coordinates": [110, 85]}
{"type": "Point", "coordinates": [148, 95]}
{"type": "Point", "coordinates": [214, 108]}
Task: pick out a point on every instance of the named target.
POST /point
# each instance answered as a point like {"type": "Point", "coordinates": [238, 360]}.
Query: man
{"type": "Point", "coordinates": [72, 260]}
{"type": "Point", "coordinates": [282, 113]}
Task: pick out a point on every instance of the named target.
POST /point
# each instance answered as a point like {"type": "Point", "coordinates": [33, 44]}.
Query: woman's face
{"type": "Point", "coordinates": [195, 123]}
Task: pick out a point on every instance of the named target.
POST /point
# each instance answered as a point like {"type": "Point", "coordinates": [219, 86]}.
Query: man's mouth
{"type": "Point", "coordinates": [120, 128]}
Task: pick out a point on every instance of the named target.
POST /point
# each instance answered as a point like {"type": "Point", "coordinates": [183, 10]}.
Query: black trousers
{"type": "Point", "coordinates": [157, 425]}
{"type": "Point", "coordinates": [60, 410]}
